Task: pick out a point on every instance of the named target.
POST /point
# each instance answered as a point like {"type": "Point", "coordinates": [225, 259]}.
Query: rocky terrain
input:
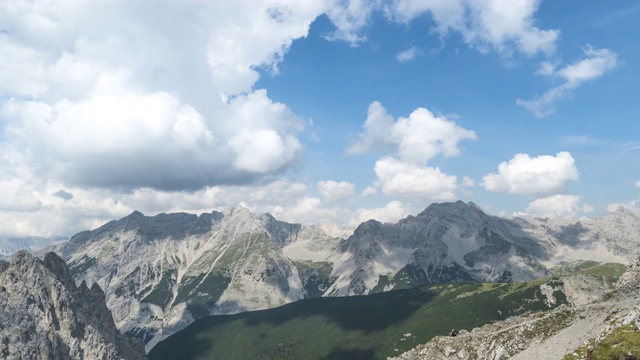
{"type": "Point", "coordinates": [545, 335]}
{"type": "Point", "coordinates": [160, 273]}
{"type": "Point", "coordinates": [44, 315]}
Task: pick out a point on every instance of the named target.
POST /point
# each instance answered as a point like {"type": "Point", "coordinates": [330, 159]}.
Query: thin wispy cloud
{"type": "Point", "coordinates": [408, 54]}
{"type": "Point", "coordinates": [596, 63]}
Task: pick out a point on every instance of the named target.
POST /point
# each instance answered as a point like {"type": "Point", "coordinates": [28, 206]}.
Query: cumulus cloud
{"type": "Point", "coordinates": [504, 26]}
{"type": "Point", "coordinates": [557, 206]}
{"type": "Point", "coordinates": [523, 174]}
{"type": "Point", "coordinates": [408, 54]}
{"type": "Point", "coordinates": [596, 63]}
{"type": "Point", "coordinates": [404, 179]}
{"type": "Point", "coordinates": [413, 141]}
{"type": "Point", "coordinates": [391, 212]}
{"type": "Point", "coordinates": [417, 139]}
{"type": "Point", "coordinates": [148, 105]}
{"type": "Point", "coordinates": [333, 191]}
{"type": "Point", "coordinates": [638, 184]}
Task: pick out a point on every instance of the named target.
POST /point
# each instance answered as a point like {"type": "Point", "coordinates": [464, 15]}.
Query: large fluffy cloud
{"type": "Point", "coordinates": [128, 95]}
{"type": "Point", "coordinates": [417, 138]}
{"type": "Point", "coordinates": [413, 141]}
{"type": "Point", "coordinates": [399, 178]}
{"type": "Point", "coordinates": [391, 212]}
{"type": "Point", "coordinates": [523, 174]}
{"type": "Point", "coordinates": [556, 206]}
{"type": "Point", "coordinates": [596, 63]}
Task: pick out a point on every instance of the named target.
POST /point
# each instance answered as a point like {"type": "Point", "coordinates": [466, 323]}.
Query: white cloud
{"type": "Point", "coordinates": [597, 63]}
{"type": "Point", "coordinates": [333, 191]}
{"type": "Point", "coordinates": [403, 179]}
{"type": "Point", "coordinates": [638, 184]}
{"type": "Point", "coordinates": [556, 206]}
{"type": "Point", "coordinates": [523, 174]}
{"type": "Point", "coordinates": [369, 191]}
{"type": "Point", "coordinates": [350, 17]}
{"type": "Point", "coordinates": [18, 196]}
{"type": "Point", "coordinates": [408, 54]}
{"type": "Point", "coordinates": [145, 104]}
{"type": "Point", "coordinates": [392, 212]}
{"type": "Point", "coordinates": [263, 150]}
{"type": "Point", "coordinates": [417, 138]}
{"type": "Point", "coordinates": [505, 26]}
{"type": "Point", "coordinates": [376, 131]}
{"type": "Point", "coordinates": [468, 182]}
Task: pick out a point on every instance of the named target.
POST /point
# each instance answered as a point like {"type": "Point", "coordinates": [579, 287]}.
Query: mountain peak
{"type": "Point", "coordinates": [135, 215]}
{"type": "Point", "coordinates": [448, 207]}
{"type": "Point", "coordinates": [621, 210]}
{"type": "Point", "coordinates": [239, 211]}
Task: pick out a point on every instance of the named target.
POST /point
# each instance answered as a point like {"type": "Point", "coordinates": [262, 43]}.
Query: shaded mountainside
{"type": "Point", "coordinates": [44, 315]}
{"type": "Point", "coordinates": [357, 327]}
{"type": "Point", "coordinates": [161, 273]}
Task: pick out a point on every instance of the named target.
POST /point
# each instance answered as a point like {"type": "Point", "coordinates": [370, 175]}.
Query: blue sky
{"type": "Point", "coordinates": [317, 112]}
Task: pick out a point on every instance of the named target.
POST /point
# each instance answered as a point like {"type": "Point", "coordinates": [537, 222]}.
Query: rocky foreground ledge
{"type": "Point", "coordinates": [556, 334]}
{"type": "Point", "coordinates": [44, 315]}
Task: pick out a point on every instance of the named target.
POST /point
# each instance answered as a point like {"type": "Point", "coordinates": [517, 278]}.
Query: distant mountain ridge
{"type": "Point", "coordinates": [160, 273]}
{"type": "Point", "coordinates": [11, 246]}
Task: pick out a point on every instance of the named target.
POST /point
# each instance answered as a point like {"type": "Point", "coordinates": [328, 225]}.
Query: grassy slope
{"type": "Point", "coordinates": [622, 344]}
{"type": "Point", "coordinates": [358, 327]}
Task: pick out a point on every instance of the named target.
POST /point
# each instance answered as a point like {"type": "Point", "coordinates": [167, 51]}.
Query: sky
{"type": "Point", "coordinates": [334, 111]}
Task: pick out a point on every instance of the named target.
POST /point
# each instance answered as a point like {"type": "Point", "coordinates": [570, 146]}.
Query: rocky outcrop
{"type": "Point", "coordinates": [494, 341]}
{"type": "Point", "coordinates": [44, 315]}
{"type": "Point", "coordinates": [546, 335]}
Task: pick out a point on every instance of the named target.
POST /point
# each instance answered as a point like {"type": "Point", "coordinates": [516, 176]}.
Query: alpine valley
{"type": "Point", "coordinates": [161, 273]}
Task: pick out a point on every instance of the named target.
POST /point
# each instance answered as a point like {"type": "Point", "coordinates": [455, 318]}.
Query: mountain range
{"type": "Point", "coordinates": [161, 273]}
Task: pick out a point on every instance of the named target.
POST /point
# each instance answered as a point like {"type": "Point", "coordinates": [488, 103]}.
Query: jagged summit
{"type": "Point", "coordinates": [239, 211]}
{"type": "Point", "coordinates": [45, 315]}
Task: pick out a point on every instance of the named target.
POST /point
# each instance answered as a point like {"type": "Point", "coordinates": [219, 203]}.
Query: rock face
{"type": "Point", "coordinates": [44, 315]}
{"type": "Point", "coordinates": [160, 273]}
